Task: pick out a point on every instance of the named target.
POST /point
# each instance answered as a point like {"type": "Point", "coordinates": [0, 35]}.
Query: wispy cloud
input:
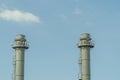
{"type": "Point", "coordinates": [63, 16]}
{"type": "Point", "coordinates": [18, 16]}
{"type": "Point", "coordinates": [77, 11]}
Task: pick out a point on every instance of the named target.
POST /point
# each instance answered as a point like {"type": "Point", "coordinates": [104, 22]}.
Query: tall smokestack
{"type": "Point", "coordinates": [20, 45]}
{"type": "Point", "coordinates": [84, 60]}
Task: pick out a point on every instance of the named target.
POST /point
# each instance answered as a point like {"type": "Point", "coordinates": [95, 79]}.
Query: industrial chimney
{"type": "Point", "coordinates": [84, 61]}
{"type": "Point", "coordinates": [20, 45]}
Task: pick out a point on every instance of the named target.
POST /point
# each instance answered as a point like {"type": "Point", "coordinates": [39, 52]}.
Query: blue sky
{"type": "Point", "coordinates": [53, 28]}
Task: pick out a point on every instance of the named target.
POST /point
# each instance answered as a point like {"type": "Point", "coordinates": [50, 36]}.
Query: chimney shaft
{"type": "Point", "coordinates": [20, 45]}
{"type": "Point", "coordinates": [84, 60]}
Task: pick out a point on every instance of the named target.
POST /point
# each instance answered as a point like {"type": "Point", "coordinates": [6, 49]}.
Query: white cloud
{"type": "Point", "coordinates": [77, 11]}
{"type": "Point", "coordinates": [18, 16]}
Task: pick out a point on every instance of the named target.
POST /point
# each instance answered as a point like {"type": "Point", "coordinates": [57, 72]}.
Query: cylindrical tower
{"type": "Point", "coordinates": [20, 45]}
{"type": "Point", "coordinates": [84, 60]}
